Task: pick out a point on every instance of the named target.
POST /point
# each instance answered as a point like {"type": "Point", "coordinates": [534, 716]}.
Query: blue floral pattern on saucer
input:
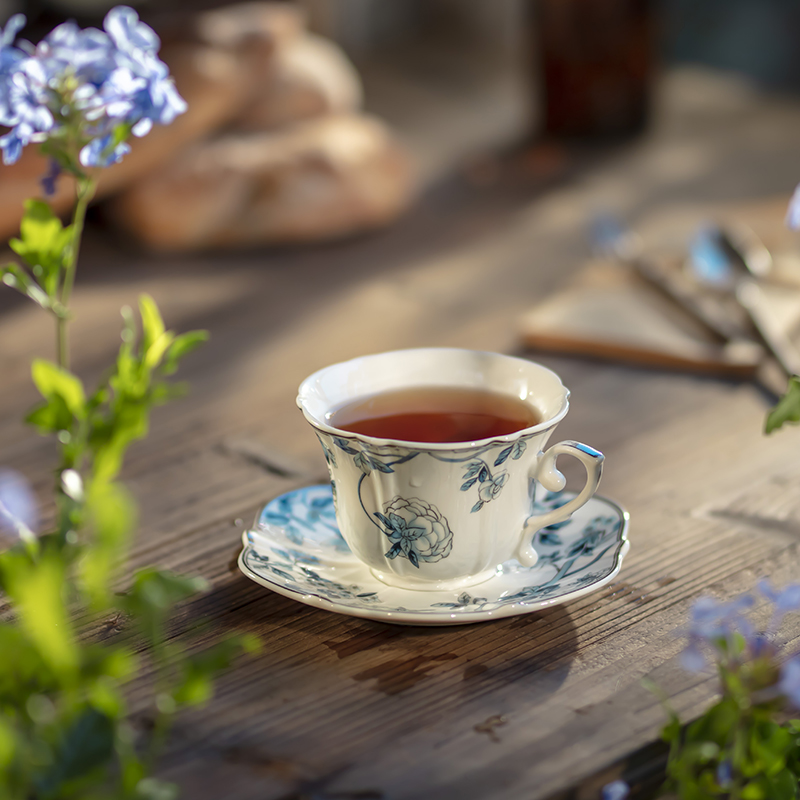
{"type": "Point", "coordinates": [296, 549]}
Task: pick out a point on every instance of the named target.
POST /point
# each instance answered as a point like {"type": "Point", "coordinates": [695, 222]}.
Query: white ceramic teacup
{"type": "Point", "coordinates": [442, 516]}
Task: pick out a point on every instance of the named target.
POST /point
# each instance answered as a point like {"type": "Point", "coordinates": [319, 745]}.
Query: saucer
{"type": "Point", "coordinates": [296, 549]}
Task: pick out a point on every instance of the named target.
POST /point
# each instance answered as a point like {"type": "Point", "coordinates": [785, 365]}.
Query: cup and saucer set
{"type": "Point", "coordinates": [438, 532]}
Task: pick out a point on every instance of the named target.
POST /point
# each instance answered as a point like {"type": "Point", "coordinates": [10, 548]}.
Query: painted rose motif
{"type": "Point", "coordinates": [489, 489]}
{"type": "Point", "coordinates": [417, 530]}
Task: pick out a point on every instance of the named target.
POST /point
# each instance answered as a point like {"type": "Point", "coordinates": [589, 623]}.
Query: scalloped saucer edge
{"type": "Point", "coordinates": [296, 550]}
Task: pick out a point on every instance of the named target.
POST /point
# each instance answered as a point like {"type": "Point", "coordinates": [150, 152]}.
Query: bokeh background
{"type": "Point", "coordinates": [398, 95]}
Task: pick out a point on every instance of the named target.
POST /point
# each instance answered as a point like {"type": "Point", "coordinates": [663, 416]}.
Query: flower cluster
{"type": "Point", "coordinates": [83, 85]}
{"type": "Point", "coordinates": [742, 746]}
{"type": "Point", "coordinates": [724, 630]}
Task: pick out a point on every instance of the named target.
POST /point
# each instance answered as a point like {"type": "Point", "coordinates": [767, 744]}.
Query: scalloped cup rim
{"type": "Point", "coordinates": [552, 420]}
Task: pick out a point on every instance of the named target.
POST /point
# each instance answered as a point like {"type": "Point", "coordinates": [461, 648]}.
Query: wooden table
{"type": "Point", "coordinates": [528, 706]}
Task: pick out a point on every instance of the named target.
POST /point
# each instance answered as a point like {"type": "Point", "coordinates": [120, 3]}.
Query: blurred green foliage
{"type": "Point", "coordinates": [744, 746]}
{"type": "Point", "coordinates": [65, 731]}
{"type": "Point", "coordinates": [787, 408]}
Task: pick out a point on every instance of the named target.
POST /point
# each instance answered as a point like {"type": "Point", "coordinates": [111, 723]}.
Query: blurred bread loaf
{"type": "Point", "coordinates": [308, 77]}
{"type": "Point", "coordinates": [319, 179]}
{"type": "Point", "coordinates": [263, 26]}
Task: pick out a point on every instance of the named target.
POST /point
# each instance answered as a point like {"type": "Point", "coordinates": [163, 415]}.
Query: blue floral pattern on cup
{"type": "Point", "coordinates": [417, 530]}
{"type": "Point", "coordinates": [576, 556]}
{"type": "Point", "coordinates": [489, 485]}
{"type": "Point", "coordinates": [481, 473]}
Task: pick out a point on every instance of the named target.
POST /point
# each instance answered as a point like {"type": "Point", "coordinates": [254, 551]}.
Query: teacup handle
{"type": "Point", "coordinates": [548, 475]}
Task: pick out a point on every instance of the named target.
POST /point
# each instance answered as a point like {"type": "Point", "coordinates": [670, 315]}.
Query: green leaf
{"type": "Point", "coordinates": [153, 789]}
{"type": "Point", "coordinates": [182, 346]}
{"type": "Point", "coordinates": [105, 696]}
{"type": "Point", "coordinates": [17, 278]}
{"type": "Point", "coordinates": [43, 243]}
{"type": "Point", "coordinates": [782, 786]}
{"type": "Point", "coordinates": [86, 745]}
{"type": "Point", "coordinates": [164, 392]}
{"type": "Point", "coordinates": [715, 725]}
{"type": "Point", "coordinates": [152, 324]}
{"type": "Point", "coordinates": [157, 350]}
{"type": "Point", "coordinates": [111, 442]}
{"type": "Point", "coordinates": [755, 790]}
{"type": "Point", "coordinates": [768, 744]}
{"type": "Point", "coordinates": [51, 380]}
{"type": "Point", "coordinates": [671, 732]}
{"type": "Point", "coordinates": [197, 683]}
{"type": "Point", "coordinates": [50, 417]}
{"type": "Point", "coordinates": [153, 595]}
{"type": "Point", "coordinates": [8, 743]}
{"type": "Point", "coordinates": [37, 589]}
{"type": "Point", "coordinates": [196, 689]}
{"type": "Point", "coordinates": [787, 408]}
{"type": "Point", "coordinates": [111, 513]}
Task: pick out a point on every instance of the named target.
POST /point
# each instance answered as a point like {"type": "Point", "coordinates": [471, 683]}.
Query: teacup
{"type": "Point", "coordinates": [439, 516]}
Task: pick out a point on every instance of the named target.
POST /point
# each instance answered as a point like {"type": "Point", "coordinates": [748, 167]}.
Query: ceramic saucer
{"type": "Point", "coordinates": [296, 549]}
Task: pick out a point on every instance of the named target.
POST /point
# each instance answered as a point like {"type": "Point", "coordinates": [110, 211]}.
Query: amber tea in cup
{"type": "Point", "coordinates": [435, 414]}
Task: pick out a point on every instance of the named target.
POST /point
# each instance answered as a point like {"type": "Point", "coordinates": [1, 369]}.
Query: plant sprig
{"type": "Point", "coordinates": [65, 731]}
{"type": "Point", "coordinates": [744, 747]}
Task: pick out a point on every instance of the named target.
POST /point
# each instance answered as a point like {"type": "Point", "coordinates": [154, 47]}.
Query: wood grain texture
{"type": "Point", "coordinates": [527, 706]}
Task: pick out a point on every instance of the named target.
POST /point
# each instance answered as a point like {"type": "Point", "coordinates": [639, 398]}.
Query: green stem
{"type": "Point", "coordinates": [85, 192]}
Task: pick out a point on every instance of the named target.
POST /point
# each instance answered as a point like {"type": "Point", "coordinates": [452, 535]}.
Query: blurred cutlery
{"type": "Point", "coordinates": [734, 261]}
{"type": "Point", "coordinates": [612, 239]}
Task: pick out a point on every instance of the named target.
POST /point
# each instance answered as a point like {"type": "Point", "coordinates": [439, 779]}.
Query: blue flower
{"type": "Point", "coordinates": [118, 93]}
{"type": "Point", "coordinates": [12, 144]}
{"type": "Point", "coordinates": [13, 27]}
{"type": "Point", "coordinates": [713, 621]}
{"type": "Point", "coordinates": [48, 180]}
{"type": "Point", "coordinates": [616, 790]}
{"type": "Point", "coordinates": [25, 95]}
{"type": "Point", "coordinates": [18, 512]}
{"type": "Point", "coordinates": [137, 44]}
{"type": "Point", "coordinates": [86, 54]}
{"type": "Point", "coordinates": [417, 529]}
{"type": "Point", "coordinates": [110, 78]}
{"type": "Point", "coordinates": [100, 153]}
{"type": "Point", "coordinates": [785, 600]}
{"type": "Point", "coordinates": [793, 212]}
{"type": "Point", "coordinates": [789, 682]}
{"type": "Point", "coordinates": [128, 33]}
{"type": "Point", "coordinates": [10, 57]}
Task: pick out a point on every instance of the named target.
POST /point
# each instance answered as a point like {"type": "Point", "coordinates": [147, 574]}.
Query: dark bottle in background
{"type": "Point", "coordinates": [594, 61]}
